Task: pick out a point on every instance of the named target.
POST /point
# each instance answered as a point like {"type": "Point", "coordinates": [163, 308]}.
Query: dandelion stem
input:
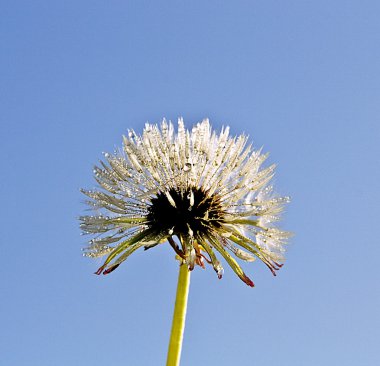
{"type": "Point", "coordinates": [179, 317]}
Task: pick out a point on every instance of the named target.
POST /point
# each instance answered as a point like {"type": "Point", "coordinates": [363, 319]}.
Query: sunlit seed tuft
{"type": "Point", "coordinates": [202, 192]}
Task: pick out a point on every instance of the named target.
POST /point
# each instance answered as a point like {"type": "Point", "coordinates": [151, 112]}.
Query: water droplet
{"type": "Point", "coordinates": [187, 167]}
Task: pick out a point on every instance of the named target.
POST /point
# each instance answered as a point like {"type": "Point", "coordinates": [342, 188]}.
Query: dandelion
{"type": "Point", "coordinates": [205, 194]}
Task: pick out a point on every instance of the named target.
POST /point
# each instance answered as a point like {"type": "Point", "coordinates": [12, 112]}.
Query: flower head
{"type": "Point", "coordinates": [197, 190]}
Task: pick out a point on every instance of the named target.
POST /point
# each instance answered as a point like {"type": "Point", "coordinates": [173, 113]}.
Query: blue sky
{"type": "Point", "coordinates": [300, 77]}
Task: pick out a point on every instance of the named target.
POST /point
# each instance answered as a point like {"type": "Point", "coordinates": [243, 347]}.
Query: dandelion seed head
{"type": "Point", "coordinates": [199, 191]}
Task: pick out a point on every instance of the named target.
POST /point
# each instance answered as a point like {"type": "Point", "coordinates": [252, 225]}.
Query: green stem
{"type": "Point", "coordinates": [179, 317]}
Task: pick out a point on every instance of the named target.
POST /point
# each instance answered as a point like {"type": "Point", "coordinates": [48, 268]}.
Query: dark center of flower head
{"type": "Point", "coordinates": [176, 212]}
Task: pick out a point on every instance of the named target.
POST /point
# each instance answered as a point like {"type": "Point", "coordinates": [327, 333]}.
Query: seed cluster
{"type": "Point", "coordinates": [178, 212]}
{"type": "Point", "coordinates": [200, 191]}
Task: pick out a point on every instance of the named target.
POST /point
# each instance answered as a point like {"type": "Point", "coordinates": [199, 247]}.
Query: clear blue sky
{"type": "Point", "coordinates": [302, 78]}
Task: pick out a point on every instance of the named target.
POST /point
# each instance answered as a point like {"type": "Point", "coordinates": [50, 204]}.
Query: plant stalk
{"type": "Point", "coordinates": [179, 317]}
